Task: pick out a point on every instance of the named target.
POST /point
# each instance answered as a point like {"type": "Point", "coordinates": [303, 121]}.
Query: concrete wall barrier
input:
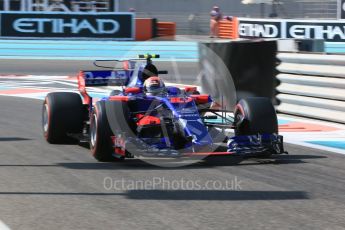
{"type": "Point", "coordinates": [228, 28]}
{"type": "Point", "coordinates": [144, 29]}
{"type": "Point", "coordinates": [312, 85]}
{"type": "Point", "coordinates": [166, 29]}
{"type": "Point", "coordinates": [251, 64]}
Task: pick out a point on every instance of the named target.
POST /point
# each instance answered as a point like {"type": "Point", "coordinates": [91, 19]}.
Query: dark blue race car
{"type": "Point", "coordinates": [145, 117]}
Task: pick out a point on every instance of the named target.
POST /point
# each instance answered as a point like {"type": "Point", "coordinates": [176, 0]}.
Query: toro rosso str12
{"type": "Point", "coordinates": [144, 117]}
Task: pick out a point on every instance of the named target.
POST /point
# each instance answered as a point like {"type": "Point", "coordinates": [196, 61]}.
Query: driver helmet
{"type": "Point", "coordinates": [154, 86]}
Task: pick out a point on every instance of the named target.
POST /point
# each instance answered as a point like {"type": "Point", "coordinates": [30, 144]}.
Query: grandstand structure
{"type": "Point", "coordinates": [191, 16]}
{"type": "Point", "coordinates": [58, 5]}
{"type": "Point", "coordinates": [319, 9]}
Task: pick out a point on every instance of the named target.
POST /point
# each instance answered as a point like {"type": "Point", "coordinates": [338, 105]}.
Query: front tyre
{"type": "Point", "coordinates": [255, 115]}
{"type": "Point", "coordinates": [101, 145]}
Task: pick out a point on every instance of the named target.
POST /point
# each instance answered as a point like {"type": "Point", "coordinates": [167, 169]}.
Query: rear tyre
{"type": "Point", "coordinates": [62, 113]}
{"type": "Point", "coordinates": [255, 115]}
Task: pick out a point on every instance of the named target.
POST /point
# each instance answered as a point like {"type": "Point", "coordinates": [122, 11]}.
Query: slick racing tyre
{"type": "Point", "coordinates": [62, 113]}
{"type": "Point", "coordinates": [105, 118]}
{"type": "Point", "coordinates": [255, 115]}
{"type": "Point", "coordinates": [119, 117]}
{"type": "Point", "coordinates": [179, 137]}
{"type": "Point", "coordinates": [100, 134]}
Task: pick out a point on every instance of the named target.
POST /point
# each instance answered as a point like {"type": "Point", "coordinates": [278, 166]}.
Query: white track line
{"type": "Point", "coordinates": [66, 83]}
{"type": "Point", "coordinates": [3, 226]}
{"type": "Point", "coordinates": [315, 146]}
{"type": "Point", "coordinates": [310, 120]}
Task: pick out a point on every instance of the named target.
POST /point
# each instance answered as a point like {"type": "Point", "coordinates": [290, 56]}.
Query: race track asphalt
{"type": "Point", "coordinates": [46, 186]}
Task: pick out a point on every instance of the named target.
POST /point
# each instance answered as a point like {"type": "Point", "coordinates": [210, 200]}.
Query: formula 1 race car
{"type": "Point", "coordinates": [144, 117]}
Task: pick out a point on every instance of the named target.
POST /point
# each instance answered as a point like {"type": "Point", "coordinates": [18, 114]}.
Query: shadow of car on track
{"type": "Point", "coordinates": [216, 195]}
{"type": "Point", "coordinates": [211, 161]}
{"type": "Point", "coordinates": [128, 164]}
{"type": "Point", "coordinates": [132, 164]}
{"type": "Point", "coordinates": [277, 159]}
{"type": "Point", "coordinates": [188, 195]}
{"type": "Point", "coordinates": [138, 164]}
{"type": "Point", "coordinates": [6, 139]}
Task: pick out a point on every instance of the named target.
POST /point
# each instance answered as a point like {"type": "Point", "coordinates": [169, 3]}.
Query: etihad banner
{"type": "Point", "coordinates": [117, 26]}
{"type": "Point", "coordinates": [328, 30]}
{"type": "Point", "coordinates": [259, 28]}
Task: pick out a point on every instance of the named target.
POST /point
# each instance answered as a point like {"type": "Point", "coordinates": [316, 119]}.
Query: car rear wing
{"type": "Point", "coordinates": [98, 78]}
{"type": "Point", "coordinates": [94, 78]}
